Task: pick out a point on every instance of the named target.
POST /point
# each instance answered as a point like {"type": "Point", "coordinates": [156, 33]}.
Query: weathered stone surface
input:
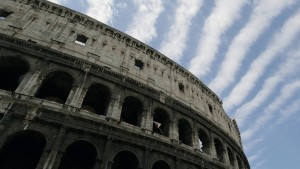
{"type": "Point", "coordinates": [80, 83]}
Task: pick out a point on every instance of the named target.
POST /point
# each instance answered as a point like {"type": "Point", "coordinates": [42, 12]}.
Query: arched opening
{"type": "Point", "coordinates": [230, 156]}
{"type": "Point", "coordinates": [185, 132]}
{"type": "Point", "coordinates": [204, 141]}
{"type": "Point", "coordinates": [12, 71]}
{"type": "Point", "coordinates": [79, 155]}
{"type": "Point", "coordinates": [125, 159]}
{"type": "Point", "coordinates": [239, 162]}
{"type": "Point", "coordinates": [22, 150]}
{"type": "Point", "coordinates": [96, 99]}
{"type": "Point", "coordinates": [161, 122]}
{"type": "Point", "coordinates": [219, 150]}
{"type": "Point", "coordinates": [56, 87]}
{"type": "Point", "coordinates": [160, 165]}
{"type": "Point", "coordinates": [132, 110]}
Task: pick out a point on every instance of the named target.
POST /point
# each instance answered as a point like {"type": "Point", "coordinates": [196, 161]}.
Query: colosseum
{"type": "Point", "coordinates": [78, 94]}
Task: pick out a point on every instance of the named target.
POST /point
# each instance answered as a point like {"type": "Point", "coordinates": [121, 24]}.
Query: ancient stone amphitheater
{"type": "Point", "coordinates": [78, 94]}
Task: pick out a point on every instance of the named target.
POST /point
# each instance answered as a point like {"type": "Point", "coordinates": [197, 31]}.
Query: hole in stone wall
{"type": "Point", "coordinates": [139, 64]}
{"type": "Point", "coordinates": [96, 99]}
{"type": "Point", "coordinates": [185, 132]}
{"type": "Point", "coordinates": [204, 141]}
{"type": "Point", "coordinates": [79, 155]}
{"type": "Point", "coordinates": [230, 156]}
{"type": "Point", "coordinates": [81, 40]}
{"type": "Point", "coordinates": [22, 150]}
{"type": "Point", "coordinates": [132, 110]}
{"type": "Point", "coordinates": [56, 87]}
{"type": "Point", "coordinates": [219, 150]}
{"type": "Point", "coordinates": [161, 122]}
{"type": "Point", "coordinates": [12, 72]}
{"type": "Point", "coordinates": [4, 14]}
{"type": "Point", "coordinates": [210, 108]}
{"type": "Point", "coordinates": [125, 159]}
{"type": "Point", "coordinates": [181, 87]}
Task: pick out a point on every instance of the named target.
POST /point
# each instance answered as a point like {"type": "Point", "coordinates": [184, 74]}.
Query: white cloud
{"type": "Point", "coordinates": [175, 42]}
{"type": "Point", "coordinates": [289, 68]}
{"type": "Point", "coordinates": [256, 156]}
{"type": "Point", "coordinates": [278, 43]}
{"type": "Point", "coordinates": [287, 92]}
{"type": "Point", "coordinates": [263, 13]}
{"type": "Point", "coordinates": [252, 144]}
{"type": "Point", "coordinates": [101, 10]}
{"type": "Point", "coordinates": [258, 164]}
{"type": "Point", "coordinates": [143, 24]}
{"type": "Point", "coordinates": [289, 111]}
{"type": "Point", "coordinates": [222, 17]}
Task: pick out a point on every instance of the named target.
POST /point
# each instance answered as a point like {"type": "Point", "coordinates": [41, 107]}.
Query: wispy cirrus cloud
{"type": "Point", "coordinates": [286, 92]}
{"type": "Point", "coordinates": [289, 68]}
{"type": "Point", "coordinates": [289, 111]}
{"type": "Point", "coordinates": [278, 43]}
{"type": "Point", "coordinates": [222, 17]}
{"type": "Point", "coordinates": [143, 24]}
{"type": "Point", "coordinates": [263, 13]}
{"type": "Point", "coordinates": [175, 41]}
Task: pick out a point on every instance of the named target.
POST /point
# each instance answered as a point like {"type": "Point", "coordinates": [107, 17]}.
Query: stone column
{"type": "Point", "coordinates": [106, 153]}
{"type": "Point", "coordinates": [147, 119]}
{"type": "Point", "coordinates": [225, 155]}
{"type": "Point", "coordinates": [174, 134]}
{"type": "Point", "coordinates": [48, 163]}
{"type": "Point", "coordinates": [32, 80]}
{"type": "Point", "coordinates": [78, 91]}
{"type": "Point", "coordinates": [115, 105]}
{"type": "Point", "coordinates": [195, 137]}
{"type": "Point", "coordinates": [146, 159]}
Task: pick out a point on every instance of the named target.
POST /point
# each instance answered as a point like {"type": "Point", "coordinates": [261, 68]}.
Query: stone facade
{"type": "Point", "coordinates": [76, 93]}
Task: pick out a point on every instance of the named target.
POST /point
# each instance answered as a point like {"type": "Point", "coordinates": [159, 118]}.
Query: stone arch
{"type": "Point", "coordinates": [97, 99]}
{"type": "Point", "coordinates": [56, 87]}
{"type": "Point", "coordinates": [132, 109]}
{"type": "Point", "coordinates": [22, 150]}
{"type": "Point", "coordinates": [185, 132]}
{"type": "Point", "coordinates": [219, 149]}
{"type": "Point", "coordinates": [161, 122]}
{"type": "Point", "coordinates": [12, 71]}
{"type": "Point", "coordinates": [125, 159]}
{"type": "Point", "coordinates": [161, 164]}
{"type": "Point", "coordinates": [204, 140]}
{"type": "Point", "coordinates": [230, 156]}
{"type": "Point", "coordinates": [80, 154]}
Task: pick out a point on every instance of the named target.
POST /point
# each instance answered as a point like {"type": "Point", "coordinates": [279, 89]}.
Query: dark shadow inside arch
{"type": "Point", "coordinates": [132, 110]}
{"type": "Point", "coordinates": [160, 165]}
{"type": "Point", "coordinates": [230, 156]}
{"type": "Point", "coordinates": [97, 99]}
{"type": "Point", "coordinates": [161, 122]}
{"type": "Point", "coordinates": [204, 140]}
{"type": "Point", "coordinates": [56, 87]}
{"type": "Point", "coordinates": [125, 160]}
{"type": "Point", "coordinates": [22, 150]}
{"type": "Point", "coordinates": [79, 155]}
{"type": "Point", "coordinates": [12, 71]}
{"type": "Point", "coordinates": [185, 132]}
{"type": "Point", "coordinates": [219, 150]}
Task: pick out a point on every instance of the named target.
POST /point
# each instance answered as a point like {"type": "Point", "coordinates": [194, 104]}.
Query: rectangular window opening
{"type": "Point", "coordinates": [4, 14]}
{"type": "Point", "coordinates": [139, 64]}
{"type": "Point", "coordinates": [81, 40]}
{"type": "Point", "coordinates": [181, 87]}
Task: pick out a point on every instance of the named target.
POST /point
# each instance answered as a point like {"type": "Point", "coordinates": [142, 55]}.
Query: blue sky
{"type": "Point", "coordinates": [247, 51]}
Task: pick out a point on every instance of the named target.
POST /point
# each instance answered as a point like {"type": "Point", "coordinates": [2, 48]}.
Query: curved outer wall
{"type": "Point", "coordinates": [49, 38]}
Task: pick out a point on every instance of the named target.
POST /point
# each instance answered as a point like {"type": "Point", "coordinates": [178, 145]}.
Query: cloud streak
{"type": "Point", "coordinates": [175, 42]}
{"type": "Point", "coordinates": [222, 17]}
{"type": "Point", "coordinates": [277, 44]}
{"type": "Point", "coordinates": [263, 13]}
{"type": "Point", "coordinates": [286, 93]}
{"type": "Point", "coordinates": [143, 24]}
{"type": "Point", "coordinates": [289, 68]}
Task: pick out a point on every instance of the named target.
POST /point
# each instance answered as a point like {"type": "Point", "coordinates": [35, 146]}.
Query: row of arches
{"type": "Point", "coordinates": [56, 86]}
{"type": "Point", "coordinates": [25, 148]}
